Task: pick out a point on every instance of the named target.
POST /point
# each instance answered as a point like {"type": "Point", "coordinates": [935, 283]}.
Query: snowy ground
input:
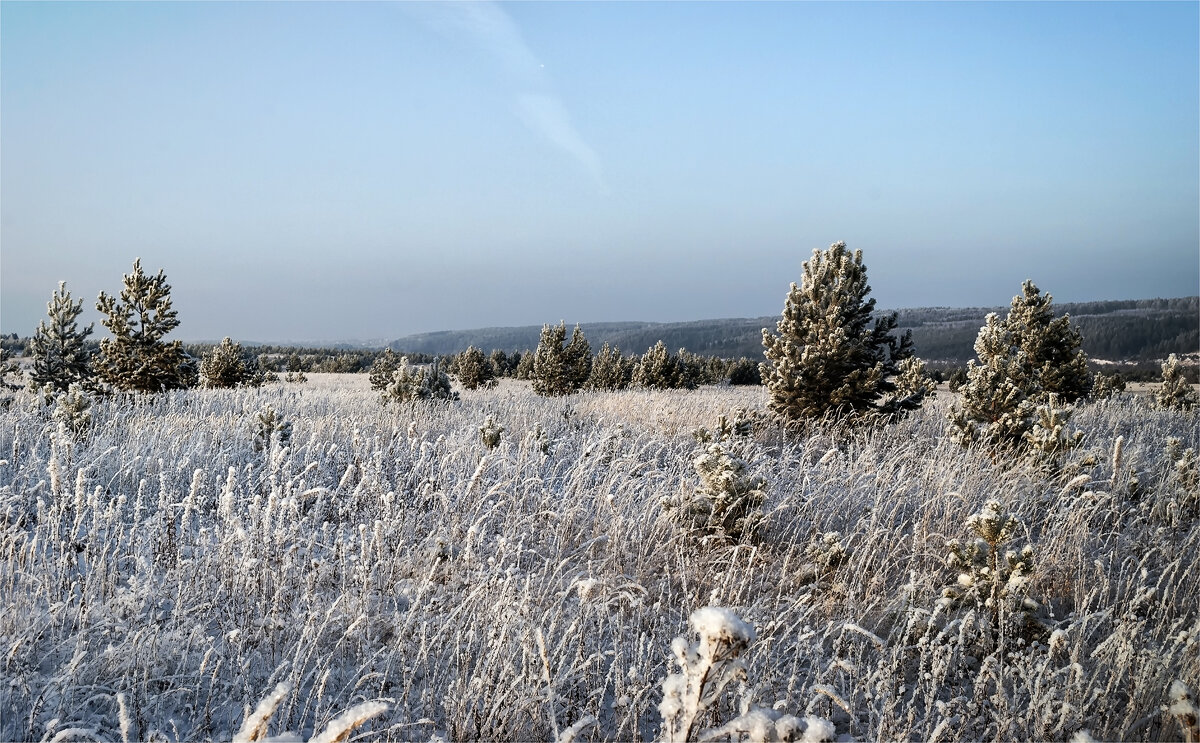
{"type": "Point", "coordinates": [163, 566]}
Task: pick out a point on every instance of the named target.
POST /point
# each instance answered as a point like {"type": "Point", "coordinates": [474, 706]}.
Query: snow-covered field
{"type": "Point", "coordinates": [161, 576]}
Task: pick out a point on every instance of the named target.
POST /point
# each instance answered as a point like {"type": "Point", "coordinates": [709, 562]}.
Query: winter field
{"type": "Point", "coordinates": [161, 574]}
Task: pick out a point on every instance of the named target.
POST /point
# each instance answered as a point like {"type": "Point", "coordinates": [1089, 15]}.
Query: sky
{"type": "Point", "coordinates": [365, 170]}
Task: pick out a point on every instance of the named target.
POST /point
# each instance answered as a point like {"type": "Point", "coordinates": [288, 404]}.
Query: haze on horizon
{"type": "Point", "coordinates": [326, 171]}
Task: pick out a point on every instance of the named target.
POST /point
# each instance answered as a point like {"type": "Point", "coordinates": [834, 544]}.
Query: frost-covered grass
{"type": "Point", "coordinates": [161, 576]}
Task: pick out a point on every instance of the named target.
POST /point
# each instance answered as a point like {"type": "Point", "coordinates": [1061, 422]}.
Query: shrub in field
{"type": "Point", "coordinates": [73, 410]}
{"type": "Point", "coordinates": [727, 501]}
{"type": "Point", "coordinates": [741, 426]}
{"type": "Point", "coordinates": [660, 369]}
{"type": "Point", "coordinates": [827, 358]}
{"type": "Point", "coordinates": [136, 358]}
{"type": "Point", "coordinates": [269, 427]}
{"type": "Point", "coordinates": [226, 366]}
{"type": "Point", "coordinates": [475, 370]}
{"type": "Point", "coordinates": [491, 432]}
{"type": "Point", "coordinates": [1174, 393]}
{"type": "Point", "coordinates": [913, 381]}
{"type": "Point", "coordinates": [995, 405]}
{"type": "Point", "coordinates": [707, 666]}
{"type": "Point", "coordinates": [382, 370]}
{"type": "Point", "coordinates": [1049, 436]}
{"type": "Point", "coordinates": [60, 356]}
{"type": "Point", "coordinates": [8, 368]}
{"type": "Point", "coordinates": [1105, 386]}
{"type": "Point", "coordinates": [410, 384]}
{"type": "Point", "coordinates": [991, 577]}
{"type": "Point", "coordinates": [611, 370]}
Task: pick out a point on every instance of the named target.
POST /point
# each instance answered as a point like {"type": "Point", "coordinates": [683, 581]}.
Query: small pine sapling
{"type": "Point", "coordinates": [824, 556]}
{"type": "Point", "coordinates": [73, 411]}
{"type": "Point", "coordinates": [741, 427]}
{"type": "Point", "coordinates": [475, 370]}
{"type": "Point", "coordinates": [1049, 436]}
{"type": "Point", "coordinates": [491, 432]}
{"type": "Point", "coordinates": [414, 384]}
{"type": "Point", "coordinates": [61, 357]}
{"type": "Point", "coordinates": [1174, 393]}
{"type": "Point", "coordinates": [136, 358]}
{"type": "Point", "coordinates": [727, 501]}
{"type": "Point", "coordinates": [991, 577]}
{"type": "Point", "coordinates": [269, 427]}
{"type": "Point", "coordinates": [227, 366]}
{"type": "Point", "coordinates": [831, 356]}
{"type": "Point", "coordinates": [1105, 386]}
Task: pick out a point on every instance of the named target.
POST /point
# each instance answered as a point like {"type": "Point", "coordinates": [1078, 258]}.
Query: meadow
{"type": "Point", "coordinates": [165, 570]}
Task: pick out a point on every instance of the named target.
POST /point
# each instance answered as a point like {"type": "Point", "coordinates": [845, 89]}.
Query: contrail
{"type": "Point", "coordinates": [486, 26]}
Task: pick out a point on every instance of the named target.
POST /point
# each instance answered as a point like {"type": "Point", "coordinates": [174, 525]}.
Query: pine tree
{"type": "Point", "coordinates": [8, 367]}
{"type": "Point", "coordinates": [1027, 363]}
{"type": "Point", "coordinates": [552, 371]}
{"type": "Point", "coordinates": [611, 370]}
{"type": "Point", "coordinates": [475, 370]}
{"type": "Point", "coordinates": [579, 359]}
{"type": "Point", "coordinates": [524, 365]}
{"type": "Point", "coordinates": [1055, 363]}
{"type": "Point", "coordinates": [996, 408]}
{"type": "Point", "coordinates": [60, 355]}
{"type": "Point", "coordinates": [659, 369]}
{"type": "Point", "coordinates": [412, 384]}
{"type": "Point", "coordinates": [745, 372]}
{"type": "Point", "coordinates": [1175, 393]}
{"type": "Point", "coordinates": [828, 359]}
{"type": "Point", "coordinates": [382, 369]}
{"type": "Point", "coordinates": [227, 366]}
{"type": "Point", "coordinates": [295, 372]}
{"type": "Point", "coordinates": [500, 363]}
{"type": "Point", "coordinates": [136, 358]}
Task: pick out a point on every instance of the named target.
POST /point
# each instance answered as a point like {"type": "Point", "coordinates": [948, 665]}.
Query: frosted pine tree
{"type": "Point", "coordinates": [410, 384]}
{"type": "Point", "coordinates": [1054, 359]}
{"type": "Point", "coordinates": [1105, 386]}
{"type": "Point", "coordinates": [659, 369]}
{"type": "Point", "coordinates": [995, 405]}
{"type": "Point", "coordinates": [610, 371]}
{"type": "Point", "coordinates": [1027, 361]}
{"type": "Point", "coordinates": [828, 358]}
{"type": "Point", "coordinates": [475, 370]}
{"type": "Point", "coordinates": [552, 371]}
{"type": "Point", "coordinates": [1174, 393]}
{"type": "Point", "coordinates": [913, 383]}
{"type": "Point", "coordinates": [136, 358]}
{"type": "Point", "coordinates": [8, 367]}
{"type": "Point", "coordinates": [384, 366]}
{"type": "Point", "coordinates": [227, 366]}
{"type": "Point", "coordinates": [579, 359]}
{"type": "Point", "coordinates": [60, 354]}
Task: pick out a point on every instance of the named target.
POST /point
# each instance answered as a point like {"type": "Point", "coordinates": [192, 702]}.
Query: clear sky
{"type": "Point", "coordinates": [323, 171]}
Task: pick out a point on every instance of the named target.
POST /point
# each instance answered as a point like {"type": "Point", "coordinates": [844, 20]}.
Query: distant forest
{"type": "Point", "coordinates": [1134, 333]}
{"type": "Point", "coordinates": [1126, 330]}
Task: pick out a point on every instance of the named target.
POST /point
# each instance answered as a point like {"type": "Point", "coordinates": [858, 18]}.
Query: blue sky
{"type": "Point", "coordinates": [321, 171]}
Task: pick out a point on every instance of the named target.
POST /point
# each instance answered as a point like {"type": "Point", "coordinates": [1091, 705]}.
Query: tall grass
{"type": "Point", "coordinates": [161, 576]}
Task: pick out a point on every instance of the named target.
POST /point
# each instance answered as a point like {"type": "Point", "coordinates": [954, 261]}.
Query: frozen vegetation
{"type": "Point", "coordinates": [194, 566]}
